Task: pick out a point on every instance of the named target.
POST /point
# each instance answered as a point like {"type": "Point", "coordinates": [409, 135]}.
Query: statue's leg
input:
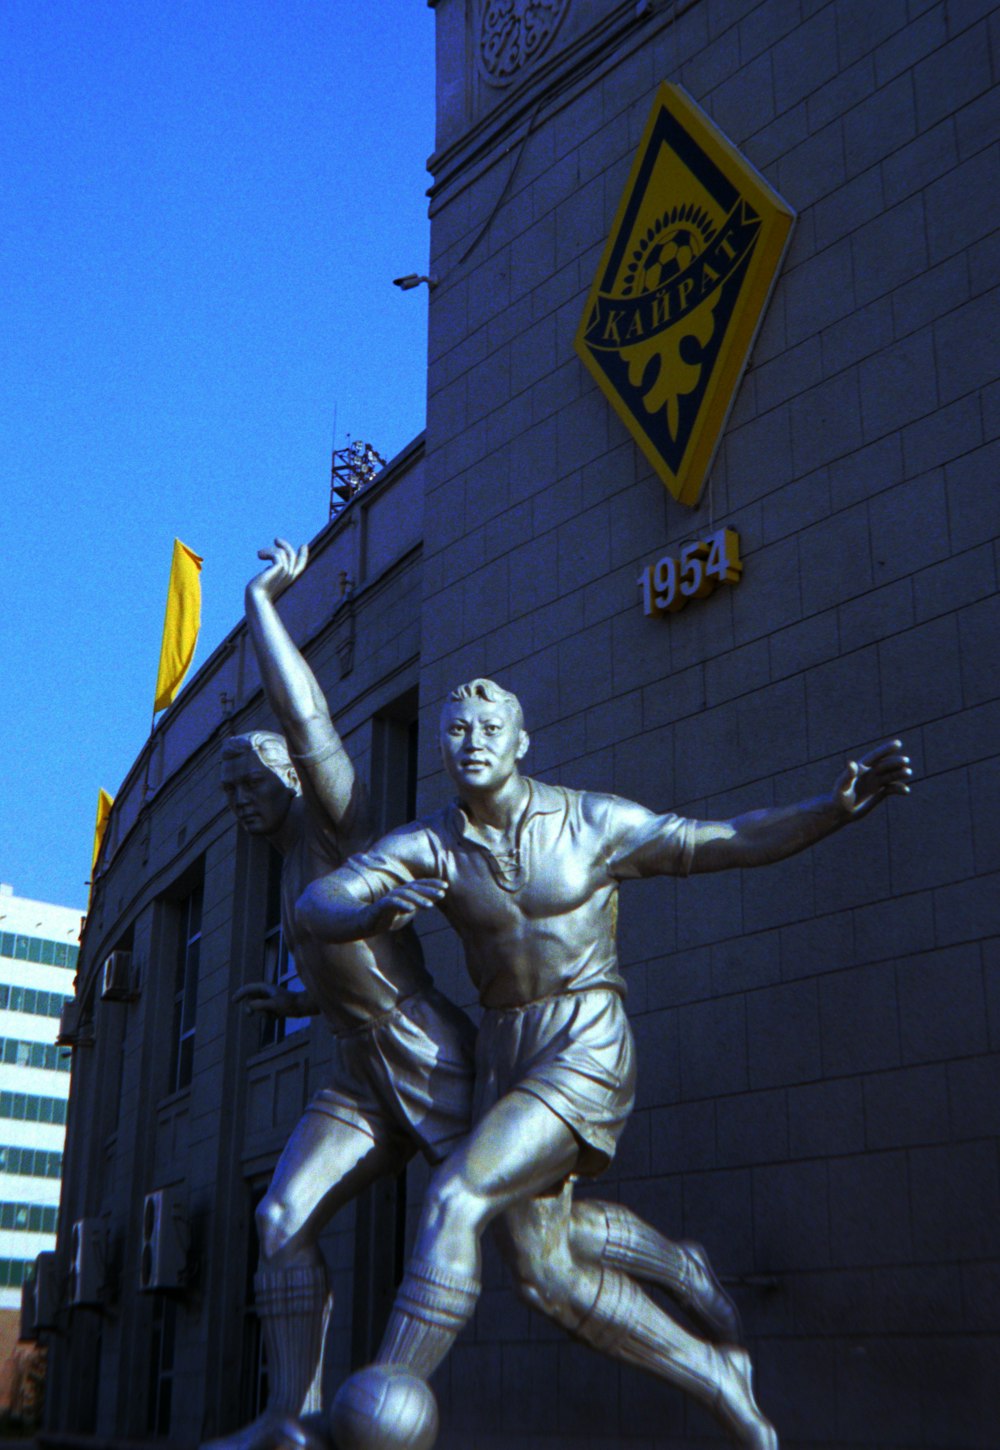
{"type": "Point", "coordinates": [612, 1234]}
{"type": "Point", "coordinates": [607, 1310]}
{"type": "Point", "coordinates": [519, 1148]}
{"type": "Point", "coordinates": [326, 1163]}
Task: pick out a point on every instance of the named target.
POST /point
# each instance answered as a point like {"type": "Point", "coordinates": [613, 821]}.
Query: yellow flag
{"type": "Point", "coordinates": [104, 804]}
{"type": "Point", "coordinates": [181, 625]}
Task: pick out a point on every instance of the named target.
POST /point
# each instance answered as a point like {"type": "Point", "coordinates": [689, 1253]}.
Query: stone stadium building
{"type": "Point", "coordinates": [818, 1042]}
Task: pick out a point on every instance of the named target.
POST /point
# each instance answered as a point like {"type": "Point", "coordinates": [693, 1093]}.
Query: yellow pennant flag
{"type": "Point", "coordinates": [181, 625]}
{"type": "Point", "coordinates": [104, 804]}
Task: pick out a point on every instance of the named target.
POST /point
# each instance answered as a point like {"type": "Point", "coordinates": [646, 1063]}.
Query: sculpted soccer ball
{"type": "Point", "coordinates": [384, 1407]}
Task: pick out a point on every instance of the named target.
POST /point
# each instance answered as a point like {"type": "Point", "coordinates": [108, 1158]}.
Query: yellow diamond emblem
{"type": "Point", "coordinates": [681, 289]}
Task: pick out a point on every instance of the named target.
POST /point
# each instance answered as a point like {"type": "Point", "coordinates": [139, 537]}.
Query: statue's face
{"type": "Point", "coordinates": [258, 798]}
{"type": "Point", "coordinates": [481, 743]}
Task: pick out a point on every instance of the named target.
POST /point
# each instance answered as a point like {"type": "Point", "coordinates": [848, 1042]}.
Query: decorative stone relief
{"type": "Point", "coordinates": [514, 32]}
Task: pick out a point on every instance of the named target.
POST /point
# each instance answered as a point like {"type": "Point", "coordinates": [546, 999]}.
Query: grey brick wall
{"type": "Point", "coordinates": [818, 1040]}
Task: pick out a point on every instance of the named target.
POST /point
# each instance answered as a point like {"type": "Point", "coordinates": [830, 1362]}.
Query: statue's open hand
{"type": "Point", "coordinates": [883, 771]}
{"type": "Point", "coordinates": [284, 565]}
{"type": "Point", "coordinates": [264, 997]}
{"type": "Point", "coordinates": [398, 907]}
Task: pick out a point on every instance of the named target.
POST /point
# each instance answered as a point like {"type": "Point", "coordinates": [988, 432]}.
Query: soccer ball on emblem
{"type": "Point", "coordinates": [384, 1407]}
{"type": "Point", "coordinates": [670, 255]}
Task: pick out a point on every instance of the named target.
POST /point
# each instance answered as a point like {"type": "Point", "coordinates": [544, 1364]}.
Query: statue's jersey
{"type": "Point", "coordinates": [359, 981]}
{"type": "Point", "coordinates": [539, 920]}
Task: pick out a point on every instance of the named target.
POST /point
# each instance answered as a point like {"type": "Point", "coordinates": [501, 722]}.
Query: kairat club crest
{"type": "Point", "coordinates": [681, 289]}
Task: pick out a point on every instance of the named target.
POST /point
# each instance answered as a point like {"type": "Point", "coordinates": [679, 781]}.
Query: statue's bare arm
{"type": "Point", "coordinates": [291, 687]}
{"type": "Point", "coordinates": [760, 837]}
{"type": "Point", "coordinates": [276, 1001]}
{"type": "Point", "coordinates": [394, 884]}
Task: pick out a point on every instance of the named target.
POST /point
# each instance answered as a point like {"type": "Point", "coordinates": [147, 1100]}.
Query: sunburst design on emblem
{"type": "Point", "coordinates": [667, 249]}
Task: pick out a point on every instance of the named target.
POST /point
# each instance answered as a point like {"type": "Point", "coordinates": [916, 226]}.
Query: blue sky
{"type": "Point", "coordinates": [204, 203]}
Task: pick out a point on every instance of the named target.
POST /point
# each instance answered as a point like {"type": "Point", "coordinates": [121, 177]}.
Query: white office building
{"type": "Point", "coordinates": [38, 952]}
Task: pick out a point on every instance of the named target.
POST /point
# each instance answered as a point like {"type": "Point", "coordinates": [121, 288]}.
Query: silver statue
{"type": "Point", "coordinates": [404, 1069]}
{"type": "Point", "coordinates": [528, 875]}
{"type": "Point", "coordinates": [402, 1078]}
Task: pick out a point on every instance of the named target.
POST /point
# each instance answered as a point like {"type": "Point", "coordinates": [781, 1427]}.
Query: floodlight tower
{"type": "Point", "coordinates": [351, 469]}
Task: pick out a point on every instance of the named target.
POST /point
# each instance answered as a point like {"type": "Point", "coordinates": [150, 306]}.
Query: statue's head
{"type": "Point", "coordinates": [482, 735]}
{"type": "Point", "coordinates": [259, 780]}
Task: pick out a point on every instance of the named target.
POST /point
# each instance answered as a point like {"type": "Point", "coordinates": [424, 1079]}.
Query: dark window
{"type": "Point", "coordinates": [253, 1384]}
{"type": "Point", "coordinates": [380, 1215]}
{"type": "Point", "coordinates": [279, 964]}
{"type": "Point", "coordinates": [116, 1108]}
{"type": "Point", "coordinates": [161, 1365]}
{"type": "Point", "coordinates": [186, 990]}
{"type": "Point", "coordinates": [394, 763]}
{"type": "Point", "coordinates": [379, 1260]}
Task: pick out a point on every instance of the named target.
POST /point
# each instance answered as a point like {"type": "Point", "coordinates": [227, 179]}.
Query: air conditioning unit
{"type": "Point", "coordinates": [117, 982]}
{"type": "Point", "coordinates": [87, 1261]}
{"type": "Point", "coordinates": [164, 1241]}
{"type": "Point", "coordinates": [76, 1025]}
{"type": "Point", "coordinates": [69, 1021]}
{"type": "Point", "coordinates": [40, 1297]}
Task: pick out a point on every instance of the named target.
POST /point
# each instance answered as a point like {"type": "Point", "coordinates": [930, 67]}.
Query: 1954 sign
{"type": "Point", "coordinates": [695, 573]}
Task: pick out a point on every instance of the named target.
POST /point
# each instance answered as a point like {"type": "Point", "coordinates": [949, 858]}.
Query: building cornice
{"type": "Point", "coordinates": [550, 85]}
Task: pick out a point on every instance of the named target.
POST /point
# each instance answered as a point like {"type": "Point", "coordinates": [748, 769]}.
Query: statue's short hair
{"type": "Point", "coordinates": [270, 749]}
{"type": "Point", "coordinates": [491, 691]}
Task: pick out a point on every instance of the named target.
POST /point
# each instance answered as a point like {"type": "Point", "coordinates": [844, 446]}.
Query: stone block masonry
{"type": "Point", "coordinates": [804, 1032]}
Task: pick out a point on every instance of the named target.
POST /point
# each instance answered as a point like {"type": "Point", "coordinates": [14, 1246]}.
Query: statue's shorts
{"type": "Point", "coordinates": [406, 1077]}
{"type": "Point", "coordinates": [575, 1053]}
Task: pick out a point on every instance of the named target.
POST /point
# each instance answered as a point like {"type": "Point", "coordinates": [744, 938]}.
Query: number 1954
{"type": "Point", "coordinates": [702, 566]}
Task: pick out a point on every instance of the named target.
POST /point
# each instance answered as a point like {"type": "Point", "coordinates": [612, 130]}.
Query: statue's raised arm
{"type": "Point", "coordinates": [293, 691]}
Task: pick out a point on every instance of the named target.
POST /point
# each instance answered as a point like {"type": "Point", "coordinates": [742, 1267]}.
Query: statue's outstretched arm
{"type": "Point", "coordinates": [292, 689]}
{"type": "Point", "coordinates": [276, 1001]}
{"type": "Point", "coordinates": [760, 837]}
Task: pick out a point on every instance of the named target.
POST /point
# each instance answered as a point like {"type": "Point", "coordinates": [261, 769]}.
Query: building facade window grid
{"type": "Point", "coordinates": [31, 1001]}
{"type": "Point", "coordinates": [17, 1053]}
{"type": "Point", "coordinates": [30, 1162]}
{"type": "Point", "coordinates": [24, 1107]}
{"type": "Point", "coordinates": [35, 1218]}
{"type": "Point", "coordinates": [40, 949]}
